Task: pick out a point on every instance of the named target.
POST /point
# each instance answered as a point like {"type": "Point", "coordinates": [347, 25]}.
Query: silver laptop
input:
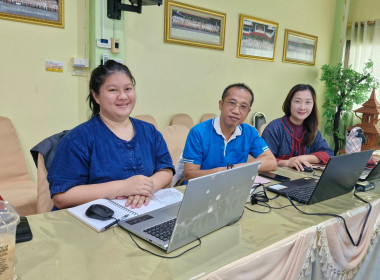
{"type": "Point", "coordinates": [209, 203]}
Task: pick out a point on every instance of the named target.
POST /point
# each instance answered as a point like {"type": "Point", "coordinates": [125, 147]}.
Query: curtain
{"type": "Point", "coordinates": [365, 44]}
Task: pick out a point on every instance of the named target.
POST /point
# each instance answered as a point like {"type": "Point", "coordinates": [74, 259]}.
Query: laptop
{"type": "Point", "coordinates": [339, 177]}
{"type": "Point", "coordinates": [209, 203]}
{"type": "Point", "coordinates": [371, 173]}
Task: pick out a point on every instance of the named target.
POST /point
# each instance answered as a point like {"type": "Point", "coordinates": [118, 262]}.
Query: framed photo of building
{"type": "Point", "coordinates": [257, 38]}
{"type": "Point", "coordinates": [194, 26]}
{"type": "Point", "coordinates": [46, 12]}
{"type": "Point", "coordinates": [299, 48]}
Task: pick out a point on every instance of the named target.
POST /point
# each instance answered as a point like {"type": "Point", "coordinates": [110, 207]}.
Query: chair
{"type": "Point", "coordinates": [16, 185]}
{"type": "Point", "coordinates": [179, 176]}
{"type": "Point", "coordinates": [43, 154]}
{"type": "Point", "coordinates": [147, 118]}
{"type": "Point", "coordinates": [262, 127]}
{"type": "Point", "coordinates": [182, 119]}
{"type": "Point", "coordinates": [258, 119]}
{"type": "Point", "coordinates": [44, 201]}
{"type": "Point", "coordinates": [175, 137]}
{"type": "Point", "coordinates": [207, 116]}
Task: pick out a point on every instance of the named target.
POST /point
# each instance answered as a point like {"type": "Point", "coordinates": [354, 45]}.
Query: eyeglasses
{"type": "Point", "coordinates": [231, 105]}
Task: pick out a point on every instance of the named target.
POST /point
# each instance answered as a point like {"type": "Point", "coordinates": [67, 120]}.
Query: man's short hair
{"type": "Point", "coordinates": [238, 85]}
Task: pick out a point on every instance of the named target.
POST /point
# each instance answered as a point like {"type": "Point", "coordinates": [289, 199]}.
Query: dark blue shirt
{"type": "Point", "coordinates": [91, 153]}
{"type": "Point", "coordinates": [280, 134]}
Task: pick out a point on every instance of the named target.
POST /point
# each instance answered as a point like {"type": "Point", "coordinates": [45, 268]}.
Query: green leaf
{"type": "Point", "coordinates": [345, 87]}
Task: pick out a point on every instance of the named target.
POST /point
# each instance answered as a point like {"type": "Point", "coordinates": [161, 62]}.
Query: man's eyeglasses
{"type": "Point", "coordinates": [231, 105]}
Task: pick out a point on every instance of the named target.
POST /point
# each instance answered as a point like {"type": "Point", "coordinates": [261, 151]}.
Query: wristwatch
{"type": "Point", "coordinates": [230, 166]}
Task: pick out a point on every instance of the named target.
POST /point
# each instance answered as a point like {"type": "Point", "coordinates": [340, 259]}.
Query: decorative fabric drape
{"type": "Point", "coordinates": [365, 44]}
{"type": "Point", "coordinates": [288, 259]}
{"type": "Point", "coordinates": [326, 245]}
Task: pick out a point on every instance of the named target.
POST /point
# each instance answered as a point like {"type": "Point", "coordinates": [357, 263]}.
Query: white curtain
{"type": "Point", "coordinates": [365, 44]}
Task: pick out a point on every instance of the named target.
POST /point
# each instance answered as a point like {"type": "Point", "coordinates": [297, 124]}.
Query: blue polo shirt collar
{"type": "Point", "coordinates": [218, 129]}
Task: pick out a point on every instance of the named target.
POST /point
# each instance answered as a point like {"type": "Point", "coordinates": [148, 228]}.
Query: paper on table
{"type": "Point", "coordinates": [162, 198]}
{"type": "Point", "coordinates": [261, 180]}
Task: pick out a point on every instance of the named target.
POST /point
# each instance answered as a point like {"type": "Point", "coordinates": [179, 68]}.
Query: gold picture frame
{"type": "Point", "coordinates": [257, 38]}
{"type": "Point", "coordinates": [194, 26]}
{"type": "Point", "coordinates": [47, 12]}
{"type": "Point", "coordinates": [299, 48]}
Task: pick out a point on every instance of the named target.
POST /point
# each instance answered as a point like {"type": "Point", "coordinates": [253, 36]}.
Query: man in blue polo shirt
{"type": "Point", "coordinates": [225, 141]}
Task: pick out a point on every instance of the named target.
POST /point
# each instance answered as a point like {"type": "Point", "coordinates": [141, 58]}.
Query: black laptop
{"type": "Point", "coordinates": [339, 177]}
{"type": "Point", "coordinates": [370, 174]}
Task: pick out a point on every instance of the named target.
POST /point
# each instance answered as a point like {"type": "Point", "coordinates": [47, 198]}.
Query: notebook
{"type": "Point", "coordinates": [209, 203]}
{"type": "Point", "coordinates": [339, 177]}
{"type": "Point", "coordinates": [162, 198]}
{"type": "Point", "coordinates": [370, 173]}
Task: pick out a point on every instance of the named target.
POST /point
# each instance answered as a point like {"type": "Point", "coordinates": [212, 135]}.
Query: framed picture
{"type": "Point", "coordinates": [46, 12]}
{"type": "Point", "coordinates": [299, 48]}
{"type": "Point", "coordinates": [194, 26]}
{"type": "Point", "coordinates": [257, 38]}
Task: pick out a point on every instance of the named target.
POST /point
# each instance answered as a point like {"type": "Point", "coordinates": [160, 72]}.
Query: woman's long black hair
{"type": "Point", "coordinates": [310, 124]}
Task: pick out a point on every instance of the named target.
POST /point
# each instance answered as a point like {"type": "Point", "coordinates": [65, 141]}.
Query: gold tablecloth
{"type": "Point", "coordinates": [277, 245]}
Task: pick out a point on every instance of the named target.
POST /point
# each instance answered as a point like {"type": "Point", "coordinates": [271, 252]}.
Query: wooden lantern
{"type": "Point", "coordinates": [370, 116]}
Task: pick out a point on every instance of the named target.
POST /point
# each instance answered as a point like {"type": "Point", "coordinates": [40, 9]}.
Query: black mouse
{"type": "Point", "coordinates": [99, 212]}
{"type": "Point", "coordinates": [305, 168]}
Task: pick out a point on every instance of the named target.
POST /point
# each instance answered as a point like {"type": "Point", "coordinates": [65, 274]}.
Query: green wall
{"type": "Point", "coordinates": [112, 28]}
{"type": "Point", "coordinates": [340, 23]}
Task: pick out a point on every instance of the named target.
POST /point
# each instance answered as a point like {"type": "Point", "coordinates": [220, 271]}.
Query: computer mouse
{"type": "Point", "coordinates": [305, 168]}
{"type": "Point", "coordinates": [99, 212]}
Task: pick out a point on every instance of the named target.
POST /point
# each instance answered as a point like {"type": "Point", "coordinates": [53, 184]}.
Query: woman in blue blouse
{"type": "Point", "coordinates": [112, 155]}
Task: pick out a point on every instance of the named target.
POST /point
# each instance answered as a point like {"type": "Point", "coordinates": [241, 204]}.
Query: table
{"type": "Point", "coordinates": [284, 243]}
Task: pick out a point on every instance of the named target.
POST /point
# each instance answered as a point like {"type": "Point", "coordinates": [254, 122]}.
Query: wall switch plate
{"type": "Point", "coordinates": [82, 72]}
{"type": "Point", "coordinates": [105, 57]}
{"type": "Point", "coordinates": [80, 62]}
{"type": "Point", "coordinates": [115, 45]}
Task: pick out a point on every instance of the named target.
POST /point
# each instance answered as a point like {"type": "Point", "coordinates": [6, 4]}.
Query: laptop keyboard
{"type": "Point", "coordinates": [301, 194]}
{"type": "Point", "coordinates": [162, 231]}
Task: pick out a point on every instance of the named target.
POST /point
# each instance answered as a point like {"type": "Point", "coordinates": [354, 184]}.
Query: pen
{"type": "Point", "coordinates": [111, 224]}
{"type": "Point", "coordinates": [114, 222]}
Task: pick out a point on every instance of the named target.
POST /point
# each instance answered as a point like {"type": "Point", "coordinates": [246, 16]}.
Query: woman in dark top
{"type": "Point", "coordinates": [112, 155]}
{"type": "Point", "coordinates": [295, 139]}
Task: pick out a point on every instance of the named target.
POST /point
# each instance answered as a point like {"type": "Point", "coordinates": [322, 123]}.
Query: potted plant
{"type": "Point", "coordinates": [344, 88]}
